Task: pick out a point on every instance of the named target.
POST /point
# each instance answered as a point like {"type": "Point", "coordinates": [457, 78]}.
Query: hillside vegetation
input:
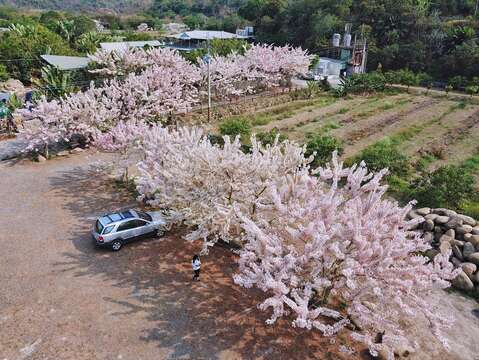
{"type": "Point", "coordinates": [81, 5]}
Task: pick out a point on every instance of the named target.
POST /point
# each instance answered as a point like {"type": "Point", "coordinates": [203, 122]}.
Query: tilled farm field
{"type": "Point", "coordinates": [446, 131]}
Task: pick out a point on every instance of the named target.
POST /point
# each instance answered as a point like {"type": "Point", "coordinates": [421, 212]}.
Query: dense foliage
{"type": "Point", "coordinates": [419, 35]}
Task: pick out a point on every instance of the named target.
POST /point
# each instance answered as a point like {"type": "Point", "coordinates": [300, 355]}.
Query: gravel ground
{"type": "Point", "coordinates": [61, 298]}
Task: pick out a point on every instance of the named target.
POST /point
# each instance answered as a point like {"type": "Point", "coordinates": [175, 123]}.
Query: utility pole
{"type": "Point", "coordinates": [208, 58]}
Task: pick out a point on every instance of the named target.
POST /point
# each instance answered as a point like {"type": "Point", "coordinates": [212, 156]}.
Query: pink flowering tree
{"type": "Point", "coordinates": [271, 65]}
{"type": "Point", "coordinates": [331, 251]}
{"type": "Point", "coordinates": [206, 183]}
{"type": "Point", "coordinates": [124, 139]}
{"type": "Point", "coordinates": [137, 59]}
{"type": "Point", "coordinates": [152, 95]}
{"type": "Point", "coordinates": [324, 246]}
{"type": "Point", "coordinates": [261, 67]}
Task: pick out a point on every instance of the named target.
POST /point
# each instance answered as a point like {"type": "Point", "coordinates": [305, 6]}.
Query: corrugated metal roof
{"type": "Point", "coordinates": [66, 62]}
{"type": "Point", "coordinates": [207, 35]}
{"type": "Point", "coordinates": [124, 45]}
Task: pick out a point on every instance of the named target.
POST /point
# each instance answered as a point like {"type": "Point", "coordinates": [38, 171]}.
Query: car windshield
{"type": "Point", "coordinates": [144, 215]}
{"type": "Point", "coordinates": [98, 227]}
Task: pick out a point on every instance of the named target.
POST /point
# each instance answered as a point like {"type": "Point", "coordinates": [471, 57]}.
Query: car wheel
{"type": "Point", "coordinates": [116, 245]}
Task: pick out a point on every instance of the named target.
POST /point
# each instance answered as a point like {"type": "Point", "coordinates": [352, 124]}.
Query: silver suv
{"type": "Point", "coordinates": [115, 229]}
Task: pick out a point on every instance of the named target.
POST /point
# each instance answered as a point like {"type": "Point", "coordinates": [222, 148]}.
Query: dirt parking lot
{"type": "Point", "coordinates": [61, 298]}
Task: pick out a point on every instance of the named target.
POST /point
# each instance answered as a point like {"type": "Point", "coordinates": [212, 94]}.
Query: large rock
{"type": "Point", "coordinates": [446, 238]}
{"type": "Point", "coordinates": [468, 249]}
{"type": "Point", "coordinates": [474, 240]}
{"type": "Point", "coordinates": [467, 220]}
{"type": "Point", "coordinates": [450, 233]}
{"type": "Point", "coordinates": [428, 225]}
{"type": "Point", "coordinates": [443, 211]}
{"type": "Point", "coordinates": [431, 217]}
{"type": "Point", "coordinates": [469, 269]}
{"type": "Point", "coordinates": [442, 219]}
{"type": "Point", "coordinates": [457, 253]}
{"type": "Point", "coordinates": [462, 282]}
{"type": "Point", "coordinates": [424, 211]}
{"type": "Point", "coordinates": [41, 159]}
{"type": "Point", "coordinates": [464, 229]}
{"type": "Point", "coordinates": [428, 237]}
{"type": "Point", "coordinates": [475, 230]}
{"type": "Point", "coordinates": [474, 258]}
{"type": "Point", "coordinates": [454, 223]}
{"type": "Point", "coordinates": [475, 278]}
{"type": "Point", "coordinates": [444, 246]}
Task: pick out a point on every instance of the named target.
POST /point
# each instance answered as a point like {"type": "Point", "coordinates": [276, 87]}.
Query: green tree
{"type": "Point", "coordinates": [448, 187]}
{"type": "Point", "coordinates": [322, 147]}
{"type": "Point", "coordinates": [234, 127]}
{"type": "Point", "coordinates": [25, 44]}
{"type": "Point", "coordinates": [382, 155]}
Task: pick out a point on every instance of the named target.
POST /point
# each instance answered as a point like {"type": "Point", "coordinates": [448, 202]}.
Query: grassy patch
{"type": "Point", "coordinates": [285, 111]}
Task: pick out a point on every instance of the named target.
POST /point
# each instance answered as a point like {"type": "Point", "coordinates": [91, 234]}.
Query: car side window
{"type": "Point", "coordinates": [139, 223]}
{"type": "Point", "coordinates": [108, 229]}
{"type": "Point", "coordinates": [127, 225]}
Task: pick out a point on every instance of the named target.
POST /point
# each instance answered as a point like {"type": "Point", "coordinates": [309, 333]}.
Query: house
{"type": "Point", "coordinates": [121, 46]}
{"type": "Point", "coordinates": [66, 62]}
{"type": "Point", "coordinates": [327, 67]}
{"type": "Point", "coordinates": [191, 40]}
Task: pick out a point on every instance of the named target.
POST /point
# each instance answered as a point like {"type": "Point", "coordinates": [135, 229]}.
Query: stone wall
{"type": "Point", "coordinates": [446, 229]}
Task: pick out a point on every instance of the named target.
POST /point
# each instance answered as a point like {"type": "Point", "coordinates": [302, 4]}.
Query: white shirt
{"type": "Point", "coordinates": [196, 264]}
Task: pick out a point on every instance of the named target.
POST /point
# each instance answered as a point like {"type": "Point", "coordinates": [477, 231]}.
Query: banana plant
{"type": "Point", "coordinates": [54, 83]}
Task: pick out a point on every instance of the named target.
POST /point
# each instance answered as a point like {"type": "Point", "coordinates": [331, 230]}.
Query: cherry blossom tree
{"type": "Point", "coordinates": [137, 59]}
{"type": "Point", "coordinates": [261, 67]}
{"type": "Point", "coordinates": [205, 182]}
{"type": "Point", "coordinates": [334, 253]}
{"type": "Point", "coordinates": [325, 246]}
{"type": "Point", "coordinates": [124, 139]}
{"type": "Point", "coordinates": [152, 95]}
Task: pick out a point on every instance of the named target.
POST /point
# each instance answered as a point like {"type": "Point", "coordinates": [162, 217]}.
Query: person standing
{"type": "Point", "coordinates": [196, 264]}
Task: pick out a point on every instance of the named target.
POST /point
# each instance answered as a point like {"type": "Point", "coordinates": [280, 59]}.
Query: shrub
{"type": "Point", "coordinates": [323, 145]}
{"type": "Point", "coordinates": [448, 186]}
{"type": "Point", "coordinates": [457, 82]}
{"type": "Point", "coordinates": [384, 154]}
{"type": "Point", "coordinates": [234, 127]}
{"type": "Point", "coordinates": [3, 73]}
{"type": "Point", "coordinates": [364, 83]}
{"type": "Point", "coordinates": [270, 136]}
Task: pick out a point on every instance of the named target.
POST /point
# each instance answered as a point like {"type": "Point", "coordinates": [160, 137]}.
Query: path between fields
{"type": "Point", "coordinates": [63, 299]}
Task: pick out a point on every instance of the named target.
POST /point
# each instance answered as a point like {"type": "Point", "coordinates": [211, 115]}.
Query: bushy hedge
{"type": "Point", "coordinates": [384, 154]}
{"type": "Point", "coordinates": [323, 146]}
{"type": "Point", "coordinates": [364, 83]}
{"type": "Point", "coordinates": [449, 186]}
{"type": "Point", "coordinates": [268, 137]}
{"type": "Point", "coordinates": [234, 127]}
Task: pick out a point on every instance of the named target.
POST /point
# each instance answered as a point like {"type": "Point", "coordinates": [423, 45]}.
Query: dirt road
{"type": "Point", "coordinates": [61, 298]}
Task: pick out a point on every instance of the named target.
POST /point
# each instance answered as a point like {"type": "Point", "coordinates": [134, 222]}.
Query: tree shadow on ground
{"type": "Point", "coordinates": [210, 319]}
